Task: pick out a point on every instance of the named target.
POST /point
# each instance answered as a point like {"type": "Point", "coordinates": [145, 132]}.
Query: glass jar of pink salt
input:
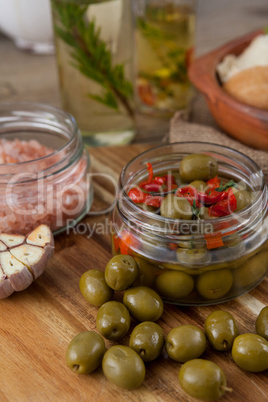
{"type": "Point", "coordinates": [44, 169]}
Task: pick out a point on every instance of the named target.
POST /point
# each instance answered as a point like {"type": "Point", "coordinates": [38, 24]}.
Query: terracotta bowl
{"type": "Point", "coordinates": [247, 124]}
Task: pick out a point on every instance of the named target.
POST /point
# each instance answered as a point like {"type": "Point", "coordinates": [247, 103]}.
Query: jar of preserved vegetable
{"type": "Point", "coordinates": [206, 255]}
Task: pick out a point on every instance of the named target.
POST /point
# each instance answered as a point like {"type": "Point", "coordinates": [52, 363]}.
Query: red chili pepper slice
{"type": "Point", "coordinates": [187, 190]}
{"type": "Point", "coordinates": [160, 180]}
{"type": "Point", "coordinates": [172, 246]}
{"type": "Point", "coordinates": [213, 183]}
{"type": "Point", "coordinates": [154, 201]}
{"type": "Point", "coordinates": [213, 197]}
{"type": "Point", "coordinates": [150, 172]}
{"type": "Point", "coordinates": [169, 178]}
{"type": "Point", "coordinates": [224, 207]}
{"type": "Point", "coordinates": [153, 187]}
{"type": "Point", "coordinates": [191, 194]}
{"type": "Point", "coordinates": [127, 242]}
{"type": "Point", "coordinates": [137, 195]}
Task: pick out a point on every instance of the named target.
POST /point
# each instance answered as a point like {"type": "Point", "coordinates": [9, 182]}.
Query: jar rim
{"type": "Point", "coordinates": [40, 107]}
{"type": "Point", "coordinates": [134, 208]}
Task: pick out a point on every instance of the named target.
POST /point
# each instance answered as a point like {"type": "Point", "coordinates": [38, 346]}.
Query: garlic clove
{"type": "Point", "coordinates": [15, 271]}
{"type": "Point", "coordinates": [41, 236]}
{"type": "Point", "coordinates": [11, 240]}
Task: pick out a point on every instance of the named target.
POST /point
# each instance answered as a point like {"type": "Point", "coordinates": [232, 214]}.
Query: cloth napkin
{"type": "Point", "coordinates": [181, 130]}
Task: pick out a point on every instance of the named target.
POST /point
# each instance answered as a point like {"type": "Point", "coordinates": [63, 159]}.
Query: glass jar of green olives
{"type": "Point", "coordinates": [205, 259]}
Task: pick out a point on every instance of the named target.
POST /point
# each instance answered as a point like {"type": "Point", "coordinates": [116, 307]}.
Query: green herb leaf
{"type": "Point", "coordinates": [91, 55]}
{"type": "Point", "coordinates": [224, 187]}
{"type": "Point", "coordinates": [197, 211]}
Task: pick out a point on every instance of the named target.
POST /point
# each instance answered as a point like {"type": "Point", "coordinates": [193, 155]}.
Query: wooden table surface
{"type": "Point", "coordinates": [33, 78]}
{"type": "Point", "coordinates": [36, 325]}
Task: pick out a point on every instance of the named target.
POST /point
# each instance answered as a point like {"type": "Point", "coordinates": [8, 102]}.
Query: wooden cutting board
{"type": "Point", "coordinates": [37, 325]}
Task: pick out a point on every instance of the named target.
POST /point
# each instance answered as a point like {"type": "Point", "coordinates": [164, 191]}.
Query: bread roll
{"type": "Point", "coordinates": [250, 86]}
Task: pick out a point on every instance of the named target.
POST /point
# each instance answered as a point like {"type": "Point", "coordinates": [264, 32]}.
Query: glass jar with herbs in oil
{"type": "Point", "coordinates": [165, 48]}
{"type": "Point", "coordinates": [95, 46]}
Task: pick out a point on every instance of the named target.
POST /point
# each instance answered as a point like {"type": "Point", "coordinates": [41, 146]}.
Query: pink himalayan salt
{"type": "Point", "coordinates": [61, 201]}
{"type": "Point", "coordinates": [22, 151]}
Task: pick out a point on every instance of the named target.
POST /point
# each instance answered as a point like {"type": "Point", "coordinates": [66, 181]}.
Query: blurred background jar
{"type": "Point", "coordinates": [165, 31]}
{"type": "Point", "coordinates": [28, 23]}
{"type": "Point", "coordinates": [95, 53]}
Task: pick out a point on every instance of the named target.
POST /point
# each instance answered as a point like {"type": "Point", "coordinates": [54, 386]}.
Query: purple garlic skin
{"type": "Point", "coordinates": [23, 258]}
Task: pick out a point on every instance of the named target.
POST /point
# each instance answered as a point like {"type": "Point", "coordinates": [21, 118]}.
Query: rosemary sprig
{"type": "Point", "coordinates": [92, 56]}
{"type": "Point", "coordinates": [224, 187]}
{"type": "Point", "coordinates": [196, 211]}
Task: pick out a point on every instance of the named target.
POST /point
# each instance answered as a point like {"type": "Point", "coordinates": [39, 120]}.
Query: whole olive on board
{"type": "Point", "coordinates": [121, 271]}
{"type": "Point", "coordinates": [214, 284]}
{"type": "Point", "coordinates": [143, 303]}
{"type": "Point", "coordinates": [262, 323]}
{"type": "Point", "coordinates": [198, 167]}
{"type": "Point", "coordinates": [113, 320]}
{"type": "Point", "coordinates": [202, 379]}
{"type": "Point", "coordinates": [85, 352]}
{"type": "Point", "coordinates": [147, 339]}
{"type": "Point", "coordinates": [176, 208]}
{"type": "Point", "coordinates": [250, 352]}
{"type": "Point", "coordinates": [221, 330]}
{"type": "Point", "coordinates": [174, 284]}
{"type": "Point", "coordinates": [94, 288]}
{"type": "Point", "coordinates": [185, 342]}
{"type": "Point", "coordinates": [123, 367]}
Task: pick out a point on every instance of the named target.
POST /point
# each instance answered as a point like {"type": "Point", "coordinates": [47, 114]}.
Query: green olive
{"type": "Point", "coordinates": [143, 303]}
{"type": "Point", "coordinates": [121, 272]}
{"type": "Point", "coordinates": [147, 339]}
{"type": "Point", "coordinates": [176, 208]}
{"type": "Point", "coordinates": [123, 367]}
{"type": "Point", "coordinates": [94, 288]}
{"type": "Point", "coordinates": [234, 241]}
{"type": "Point", "coordinates": [200, 185]}
{"type": "Point", "coordinates": [214, 284]}
{"type": "Point", "coordinates": [221, 330]}
{"type": "Point", "coordinates": [243, 199]}
{"type": "Point", "coordinates": [174, 284]}
{"type": "Point", "coordinates": [85, 352]}
{"type": "Point", "coordinates": [193, 256]}
{"type": "Point", "coordinates": [262, 323]}
{"type": "Point", "coordinates": [148, 208]}
{"type": "Point", "coordinates": [185, 342]}
{"type": "Point", "coordinates": [204, 214]}
{"type": "Point", "coordinates": [198, 167]}
{"type": "Point", "coordinates": [202, 379]}
{"type": "Point", "coordinates": [252, 271]}
{"type": "Point", "coordinates": [250, 352]}
{"type": "Point", "coordinates": [147, 271]}
{"type": "Point", "coordinates": [113, 320]}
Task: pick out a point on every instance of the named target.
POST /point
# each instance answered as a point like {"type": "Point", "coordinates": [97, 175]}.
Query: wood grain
{"type": "Point", "coordinates": [37, 324]}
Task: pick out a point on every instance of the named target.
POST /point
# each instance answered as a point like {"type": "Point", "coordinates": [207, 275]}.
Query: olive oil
{"type": "Point", "coordinates": [165, 48]}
